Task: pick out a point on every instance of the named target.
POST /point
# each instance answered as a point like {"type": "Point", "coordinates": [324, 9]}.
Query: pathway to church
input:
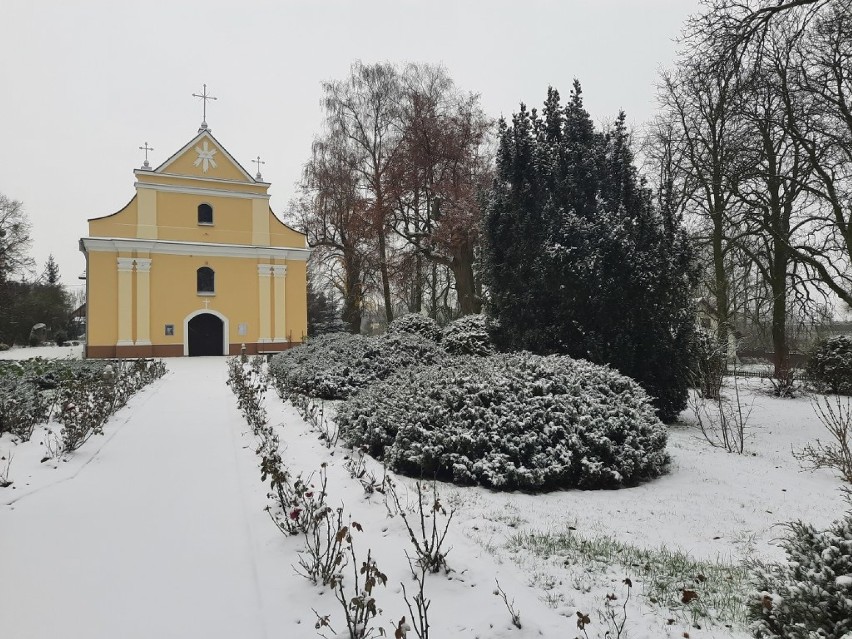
{"type": "Point", "coordinates": [154, 537]}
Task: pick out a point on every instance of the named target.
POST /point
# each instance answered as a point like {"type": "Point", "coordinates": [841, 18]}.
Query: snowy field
{"type": "Point", "coordinates": [158, 529]}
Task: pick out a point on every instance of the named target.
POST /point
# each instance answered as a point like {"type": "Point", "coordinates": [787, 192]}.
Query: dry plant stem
{"type": "Point", "coordinates": [615, 624]}
{"type": "Point", "coordinates": [315, 415]}
{"type": "Point", "coordinates": [4, 472]}
{"type": "Point", "coordinates": [324, 554]}
{"type": "Point", "coordinates": [420, 620]}
{"type": "Point", "coordinates": [722, 422]}
{"type": "Point", "coordinates": [359, 606]}
{"type": "Point", "coordinates": [514, 613]}
{"type": "Point", "coordinates": [429, 544]}
{"type": "Point", "coordinates": [836, 415]}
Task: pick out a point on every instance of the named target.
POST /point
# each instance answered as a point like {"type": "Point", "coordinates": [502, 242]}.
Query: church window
{"type": "Point", "coordinates": [205, 214]}
{"type": "Point", "coordinates": [206, 280]}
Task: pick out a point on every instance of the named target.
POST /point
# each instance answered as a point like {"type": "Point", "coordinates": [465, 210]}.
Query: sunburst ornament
{"type": "Point", "coordinates": [205, 157]}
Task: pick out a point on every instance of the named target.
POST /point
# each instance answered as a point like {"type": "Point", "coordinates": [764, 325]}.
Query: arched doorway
{"type": "Point", "coordinates": [205, 335]}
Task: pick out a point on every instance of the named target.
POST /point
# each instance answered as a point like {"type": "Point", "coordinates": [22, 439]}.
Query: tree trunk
{"type": "Point", "coordinates": [462, 267]}
{"type": "Point", "coordinates": [779, 316]}
{"type": "Point", "coordinates": [351, 315]}
{"type": "Point", "coordinates": [721, 282]}
{"type": "Point", "coordinates": [417, 305]}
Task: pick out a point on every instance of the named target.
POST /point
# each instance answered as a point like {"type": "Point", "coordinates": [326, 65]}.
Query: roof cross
{"type": "Point", "coordinates": [146, 148]}
{"type": "Point", "coordinates": [204, 97]}
{"type": "Point", "coordinates": [258, 161]}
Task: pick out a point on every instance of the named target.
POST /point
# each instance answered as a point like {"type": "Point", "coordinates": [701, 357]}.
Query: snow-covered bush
{"type": "Point", "coordinates": [510, 421]}
{"type": "Point", "coordinates": [85, 392]}
{"type": "Point", "coordinates": [336, 366]}
{"type": "Point", "coordinates": [22, 407]}
{"type": "Point", "coordinates": [810, 596]}
{"type": "Point", "coordinates": [415, 324]}
{"type": "Point", "coordinates": [87, 401]}
{"type": "Point", "coordinates": [468, 335]}
{"type": "Point", "coordinates": [830, 365]}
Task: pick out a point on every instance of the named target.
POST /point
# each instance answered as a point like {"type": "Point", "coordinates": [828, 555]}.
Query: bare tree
{"type": "Point", "coordinates": [14, 239]}
{"type": "Point", "coordinates": [443, 167]}
{"type": "Point", "coordinates": [362, 112]}
{"type": "Point", "coordinates": [700, 105]}
{"type": "Point", "coordinates": [333, 213]}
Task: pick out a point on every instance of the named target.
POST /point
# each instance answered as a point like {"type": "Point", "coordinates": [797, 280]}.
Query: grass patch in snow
{"type": "Point", "coordinates": [666, 577]}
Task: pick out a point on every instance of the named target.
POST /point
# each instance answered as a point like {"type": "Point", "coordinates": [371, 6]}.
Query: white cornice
{"type": "Point", "coordinates": [169, 247]}
{"type": "Point", "coordinates": [195, 190]}
{"type": "Point", "coordinates": [178, 176]}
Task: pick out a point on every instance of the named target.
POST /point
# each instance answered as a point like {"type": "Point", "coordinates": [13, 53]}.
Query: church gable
{"type": "Point", "coordinates": [204, 157]}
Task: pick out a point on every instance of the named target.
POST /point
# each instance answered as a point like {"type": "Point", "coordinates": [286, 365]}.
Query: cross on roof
{"type": "Point", "coordinates": [258, 161]}
{"type": "Point", "coordinates": [204, 97]}
{"type": "Point", "coordinates": [146, 148]}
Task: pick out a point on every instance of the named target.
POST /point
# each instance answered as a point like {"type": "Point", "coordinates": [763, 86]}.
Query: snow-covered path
{"type": "Point", "coordinates": [150, 539]}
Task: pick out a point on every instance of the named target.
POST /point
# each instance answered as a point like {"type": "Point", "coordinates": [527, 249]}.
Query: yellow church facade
{"type": "Point", "coordinates": [195, 264]}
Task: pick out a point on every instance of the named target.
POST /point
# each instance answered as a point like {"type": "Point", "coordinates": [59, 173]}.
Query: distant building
{"type": "Point", "coordinates": [195, 264]}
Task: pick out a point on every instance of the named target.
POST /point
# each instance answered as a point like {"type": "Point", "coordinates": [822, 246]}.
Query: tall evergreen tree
{"type": "Point", "coordinates": [51, 271]}
{"type": "Point", "coordinates": [579, 261]}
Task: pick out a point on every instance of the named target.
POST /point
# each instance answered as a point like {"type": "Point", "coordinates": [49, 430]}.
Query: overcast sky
{"type": "Point", "coordinates": [84, 83]}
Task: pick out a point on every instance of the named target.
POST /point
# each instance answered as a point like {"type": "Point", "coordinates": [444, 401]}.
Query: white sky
{"type": "Point", "coordinates": [85, 83]}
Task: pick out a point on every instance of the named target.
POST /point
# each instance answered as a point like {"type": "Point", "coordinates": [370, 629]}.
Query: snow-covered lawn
{"type": "Point", "coordinates": [50, 352]}
{"type": "Point", "coordinates": [158, 529]}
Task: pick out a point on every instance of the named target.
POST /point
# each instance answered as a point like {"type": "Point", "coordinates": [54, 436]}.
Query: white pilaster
{"type": "Point", "coordinates": [279, 289]}
{"type": "Point", "coordinates": [264, 271]}
{"type": "Point", "coordinates": [124, 300]}
{"type": "Point", "coordinates": [143, 301]}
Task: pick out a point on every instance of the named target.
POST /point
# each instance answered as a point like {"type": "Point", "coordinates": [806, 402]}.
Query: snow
{"type": "Point", "coordinates": [49, 352]}
{"type": "Point", "coordinates": [158, 528]}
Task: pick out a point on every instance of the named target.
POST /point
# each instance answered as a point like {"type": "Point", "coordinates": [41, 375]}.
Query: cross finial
{"type": "Point", "coordinates": [258, 161]}
{"type": "Point", "coordinates": [146, 148]}
{"type": "Point", "coordinates": [204, 97]}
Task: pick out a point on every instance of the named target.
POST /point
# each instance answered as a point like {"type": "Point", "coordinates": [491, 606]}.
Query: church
{"type": "Point", "coordinates": [195, 264]}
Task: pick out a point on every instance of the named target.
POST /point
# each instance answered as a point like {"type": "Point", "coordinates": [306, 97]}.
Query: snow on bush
{"type": "Point", "coordinates": [22, 406]}
{"type": "Point", "coordinates": [338, 365]}
{"type": "Point", "coordinates": [830, 365]}
{"type": "Point", "coordinates": [811, 596]}
{"type": "Point", "coordinates": [511, 421]}
{"type": "Point", "coordinates": [415, 324]}
{"type": "Point", "coordinates": [469, 335]}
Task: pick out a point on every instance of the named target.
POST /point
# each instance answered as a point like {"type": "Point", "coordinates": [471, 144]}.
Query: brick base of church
{"type": "Point", "coordinates": [176, 350]}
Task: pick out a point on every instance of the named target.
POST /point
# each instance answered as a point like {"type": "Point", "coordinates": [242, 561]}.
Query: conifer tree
{"type": "Point", "coordinates": [51, 271]}
{"type": "Point", "coordinates": [578, 259]}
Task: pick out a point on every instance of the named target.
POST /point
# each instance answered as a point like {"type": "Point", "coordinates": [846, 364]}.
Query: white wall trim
{"type": "Point", "coordinates": [197, 190]}
{"type": "Point", "coordinates": [225, 329]}
{"type": "Point", "coordinates": [169, 247]}
{"type": "Point", "coordinates": [279, 270]}
{"type": "Point", "coordinates": [180, 176]}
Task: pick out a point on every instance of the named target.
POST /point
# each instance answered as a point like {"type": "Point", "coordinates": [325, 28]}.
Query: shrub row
{"type": "Point", "coordinates": [84, 393]}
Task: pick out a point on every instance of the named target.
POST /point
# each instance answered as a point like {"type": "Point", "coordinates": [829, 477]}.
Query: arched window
{"type": "Point", "coordinates": [206, 280]}
{"type": "Point", "coordinates": [205, 214]}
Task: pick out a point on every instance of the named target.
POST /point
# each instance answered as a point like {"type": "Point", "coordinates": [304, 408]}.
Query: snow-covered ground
{"type": "Point", "coordinates": [158, 529]}
{"type": "Point", "coordinates": [51, 352]}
